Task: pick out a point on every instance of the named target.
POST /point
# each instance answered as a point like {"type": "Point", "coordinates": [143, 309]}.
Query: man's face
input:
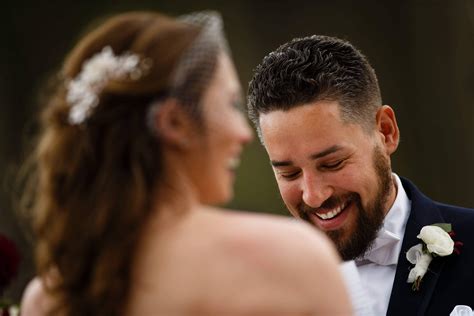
{"type": "Point", "coordinates": [331, 173]}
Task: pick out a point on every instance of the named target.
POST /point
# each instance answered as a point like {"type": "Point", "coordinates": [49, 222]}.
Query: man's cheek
{"type": "Point", "coordinates": [287, 193]}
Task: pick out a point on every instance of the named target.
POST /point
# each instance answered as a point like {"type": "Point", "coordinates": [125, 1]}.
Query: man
{"type": "Point", "coordinates": [317, 107]}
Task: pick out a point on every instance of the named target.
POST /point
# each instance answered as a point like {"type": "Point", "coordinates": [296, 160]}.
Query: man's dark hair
{"type": "Point", "coordinates": [312, 69]}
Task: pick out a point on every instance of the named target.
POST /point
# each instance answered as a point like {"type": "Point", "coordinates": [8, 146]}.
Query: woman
{"type": "Point", "coordinates": [143, 134]}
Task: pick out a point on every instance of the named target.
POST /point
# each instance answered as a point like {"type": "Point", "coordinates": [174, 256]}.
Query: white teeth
{"type": "Point", "coordinates": [331, 214]}
{"type": "Point", "coordinates": [233, 163]}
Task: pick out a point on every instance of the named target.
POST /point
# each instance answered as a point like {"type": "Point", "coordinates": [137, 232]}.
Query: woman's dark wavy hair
{"type": "Point", "coordinates": [92, 187]}
{"type": "Point", "coordinates": [312, 69]}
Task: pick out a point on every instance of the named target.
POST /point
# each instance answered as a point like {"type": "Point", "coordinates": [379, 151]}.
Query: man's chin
{"type": "Point", "coordinates": [341, 240]}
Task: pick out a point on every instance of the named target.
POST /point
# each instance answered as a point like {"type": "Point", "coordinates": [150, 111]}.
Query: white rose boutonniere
{"type": "Point", "coordinates": [436, 241]}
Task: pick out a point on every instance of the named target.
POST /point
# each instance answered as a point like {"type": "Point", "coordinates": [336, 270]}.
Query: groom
{"type": "Point", "coordinates": [318, 111]}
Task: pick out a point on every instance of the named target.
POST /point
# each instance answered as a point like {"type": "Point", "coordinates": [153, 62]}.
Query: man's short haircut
{"type": "Point", "coordinates": [311, 69]}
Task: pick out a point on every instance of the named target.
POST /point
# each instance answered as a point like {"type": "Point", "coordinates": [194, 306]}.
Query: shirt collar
{"type": "Point", "coordinates": [388, 243]}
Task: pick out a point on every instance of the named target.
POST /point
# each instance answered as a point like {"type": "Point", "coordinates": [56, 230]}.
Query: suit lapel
{"type": "Point", "coordinates": [403, 300]}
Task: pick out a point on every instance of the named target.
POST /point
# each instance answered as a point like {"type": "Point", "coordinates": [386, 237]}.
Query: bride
{"type": "Point", "coordinates": [141, 137]}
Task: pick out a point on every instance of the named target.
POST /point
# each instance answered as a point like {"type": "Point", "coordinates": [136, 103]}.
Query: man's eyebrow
{"type": "Point", "coordinates": [286, 163]}
{"type": "Point", "coordinates": [325, 152]}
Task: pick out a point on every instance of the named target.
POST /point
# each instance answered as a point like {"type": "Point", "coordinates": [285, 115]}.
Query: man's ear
{"type": "Point", "coordinates": [388, 128]}
{"type": "Point", "coordinates": [173, 124]}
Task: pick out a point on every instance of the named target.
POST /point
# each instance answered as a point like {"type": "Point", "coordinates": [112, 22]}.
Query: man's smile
{"type": "Point", "coordinates": [327, 214]}
{"type": "Point", "coordinates": [331, 219]}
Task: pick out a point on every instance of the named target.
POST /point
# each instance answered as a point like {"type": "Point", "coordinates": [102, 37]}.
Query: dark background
{"type": "Point", "coordinates": [422, 51]}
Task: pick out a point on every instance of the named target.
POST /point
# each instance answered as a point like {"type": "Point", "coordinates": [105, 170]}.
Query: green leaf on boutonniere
{"type": "Point", "coordinates": [444, 226]}
{"type": "Point", "coordinates": [424, 248]}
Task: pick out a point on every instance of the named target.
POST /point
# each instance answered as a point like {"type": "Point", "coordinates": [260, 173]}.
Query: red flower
{"type": "Point", "coordinates": [4, 312]}
{"type": "Point", "coordinates": [457, 247]}
{"type": "Point", "coordinates": [9, 262]}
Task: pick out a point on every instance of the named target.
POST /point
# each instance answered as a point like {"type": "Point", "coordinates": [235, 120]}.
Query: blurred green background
{"type": "Point", "coordinates": [422, 51]}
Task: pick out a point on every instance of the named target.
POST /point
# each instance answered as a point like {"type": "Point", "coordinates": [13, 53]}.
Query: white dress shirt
{"type": "Point", "coordinates": [361, 301]}
{"type": "Point", "coordinates": [377, 268]}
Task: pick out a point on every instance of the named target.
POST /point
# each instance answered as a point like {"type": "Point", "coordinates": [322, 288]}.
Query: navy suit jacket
{"type": "Point", "coordinates": [449, 280]}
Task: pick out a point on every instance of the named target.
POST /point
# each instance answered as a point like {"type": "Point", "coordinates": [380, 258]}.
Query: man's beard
{"type": "Point", "coordinates": [369, 219]}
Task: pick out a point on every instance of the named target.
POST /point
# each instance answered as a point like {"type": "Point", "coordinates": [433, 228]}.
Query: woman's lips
{"type": "Point", "coordinates": [233, 163]}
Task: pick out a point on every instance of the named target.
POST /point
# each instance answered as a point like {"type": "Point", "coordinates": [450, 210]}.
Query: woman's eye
{"type": "Point", "coordinates": [238, 105]}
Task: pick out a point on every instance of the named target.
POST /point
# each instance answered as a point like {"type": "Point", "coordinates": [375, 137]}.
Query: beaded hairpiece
{"type": "Point", "coordinates": [82, 92]}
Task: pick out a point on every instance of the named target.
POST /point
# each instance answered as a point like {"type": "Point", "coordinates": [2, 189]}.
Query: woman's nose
{"type": "Point", "coordinates": [246, 133]}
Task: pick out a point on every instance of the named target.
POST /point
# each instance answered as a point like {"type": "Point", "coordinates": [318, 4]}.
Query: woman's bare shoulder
{"type": "Point", "coordinates": [282, 256]}
{"type": "Point", "coordinates": [234, 262]}
{"type": "Point", "coordinates": [275, 233]}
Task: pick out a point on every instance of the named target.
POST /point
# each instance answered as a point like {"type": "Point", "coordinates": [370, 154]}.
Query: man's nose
{"type": "Point", "coordinates": [315, 190]}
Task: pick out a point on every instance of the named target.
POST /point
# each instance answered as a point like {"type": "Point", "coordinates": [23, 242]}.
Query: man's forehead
{"type": "Point", "coordinates": [301, 121]}
{"type": "Point", "coordinates": [307, 132]}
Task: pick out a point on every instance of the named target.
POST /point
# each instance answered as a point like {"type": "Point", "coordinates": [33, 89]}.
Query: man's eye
{"type": "Point", "coordinates": [333, 166]}
{"type": "Point", "coordinates": [289, 175]}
